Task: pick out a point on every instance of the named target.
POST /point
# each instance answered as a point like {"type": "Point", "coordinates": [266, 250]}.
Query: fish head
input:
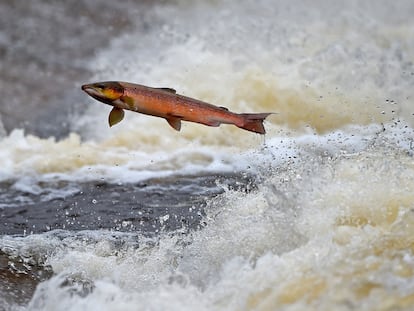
{"type": "Point", "coordinates": [107, 92]}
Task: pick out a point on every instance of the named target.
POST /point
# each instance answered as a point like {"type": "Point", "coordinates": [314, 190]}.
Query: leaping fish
{"type": "Point", "coordinates": [166, 103]}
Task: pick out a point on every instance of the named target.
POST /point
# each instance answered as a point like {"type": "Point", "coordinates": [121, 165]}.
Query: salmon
{"type": "Point", "coordinates": [167, 104]}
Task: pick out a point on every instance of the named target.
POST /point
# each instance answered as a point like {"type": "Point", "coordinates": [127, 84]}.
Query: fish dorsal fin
{"type": "Point", "coordinates": [174, 122]}
{"type": "Point", "coordinates": [224, 108]}
{"type": "Point", "coordinates": [167, 89]}
{"type": "Point", "coordinates": [115, 116]}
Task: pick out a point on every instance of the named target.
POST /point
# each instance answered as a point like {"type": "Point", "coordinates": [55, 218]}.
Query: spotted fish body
{"type": "Point", "coordinates": [166, 103]}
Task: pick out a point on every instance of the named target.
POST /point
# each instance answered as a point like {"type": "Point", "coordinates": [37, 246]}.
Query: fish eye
{"type": "Point", "coordinates": [100, 86]}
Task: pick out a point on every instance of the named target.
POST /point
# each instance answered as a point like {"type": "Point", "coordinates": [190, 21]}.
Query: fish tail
{"type": "Point", "coordinates": [253, 122]}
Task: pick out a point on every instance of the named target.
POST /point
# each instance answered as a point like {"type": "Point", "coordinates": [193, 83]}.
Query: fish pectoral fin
{"type": "Point", "coordinates": [115, 116]}
{"type": "Point", "coordinates": [174, 122]}
{"type": "Point", "coordinates": [167, 89]}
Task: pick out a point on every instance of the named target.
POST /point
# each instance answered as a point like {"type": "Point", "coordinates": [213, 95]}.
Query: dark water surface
{"type": "Point", "coordinates": [148, 207]}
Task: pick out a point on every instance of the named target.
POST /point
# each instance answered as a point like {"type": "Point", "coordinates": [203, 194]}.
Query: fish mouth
{"type": "Point", "coordinates": [96, 93]}
{"type": "Point", "coordinates": [106, 92]}
{"type": "Point", "coordinates": [91, 90]}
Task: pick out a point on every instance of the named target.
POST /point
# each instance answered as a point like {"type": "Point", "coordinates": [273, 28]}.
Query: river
{"type": "Point", "coordinates": [318, 214]}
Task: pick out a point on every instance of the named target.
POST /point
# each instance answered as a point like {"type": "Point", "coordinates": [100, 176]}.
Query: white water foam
{"type": "Point", "coordinates": [330, 218]}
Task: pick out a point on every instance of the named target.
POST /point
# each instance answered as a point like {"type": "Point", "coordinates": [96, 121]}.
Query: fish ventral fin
{"type": "Point", "coordinates": [174, 122]}
{"type": "Point", "coordinates": [115, 116]}
{"type": "Point", "coordinates": [167, 89]}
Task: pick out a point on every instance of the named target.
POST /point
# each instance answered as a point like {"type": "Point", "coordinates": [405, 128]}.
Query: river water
{"type": "Point", "coordinates": [318, 214]}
